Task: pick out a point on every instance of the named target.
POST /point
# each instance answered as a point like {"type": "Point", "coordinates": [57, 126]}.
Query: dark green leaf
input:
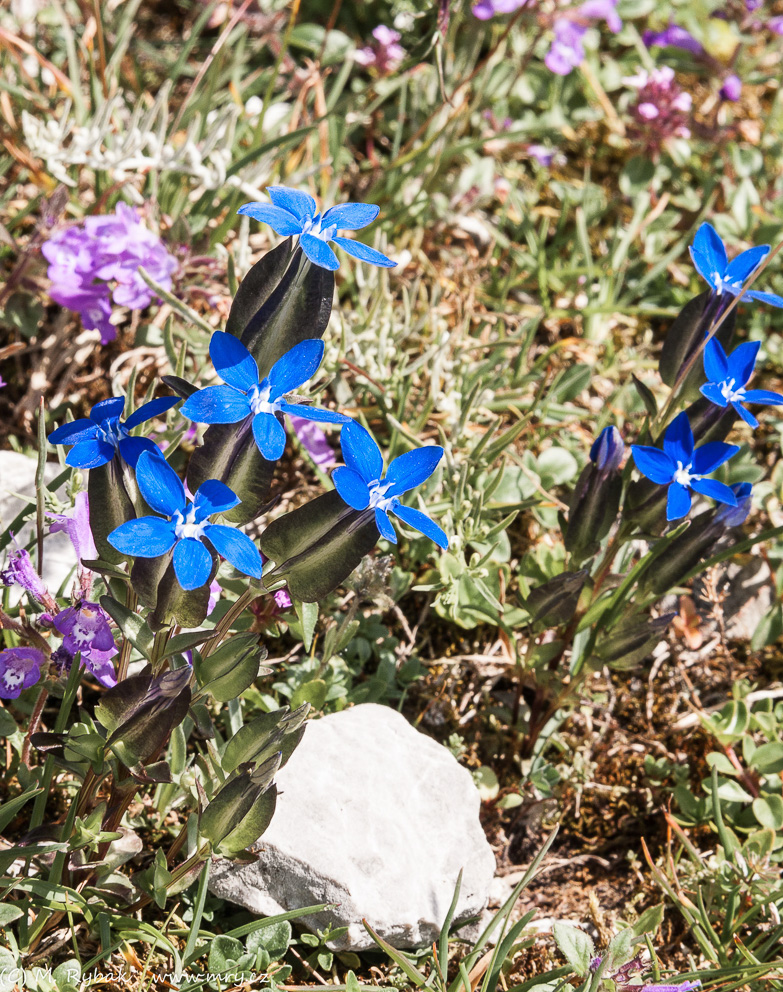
{"type": "Point", "coordinates": [131, 624]}
{"type": "Point", "coordinates": [230, 669]}
{"type": "Point", "coordinates": [110, 505]}
{"type": "Point", "coordinates": [257, 286]}
{"type": "Point", "coordinates": [156, 585]}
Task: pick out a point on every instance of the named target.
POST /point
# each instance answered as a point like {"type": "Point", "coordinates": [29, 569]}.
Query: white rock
{"type": "Point", "coordinates": [17, 475]}
{"type": "Point", "coordinates": [376, 817]}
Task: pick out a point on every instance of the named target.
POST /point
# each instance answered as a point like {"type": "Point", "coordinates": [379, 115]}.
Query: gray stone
{"type": "Point", "coordinates": [17, 476]}
{"type": "Point", "coordinates": [376, 817]}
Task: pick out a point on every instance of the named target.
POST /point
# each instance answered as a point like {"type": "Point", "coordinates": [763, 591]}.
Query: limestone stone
{"type": "Point", "coordinates": [376, 818]}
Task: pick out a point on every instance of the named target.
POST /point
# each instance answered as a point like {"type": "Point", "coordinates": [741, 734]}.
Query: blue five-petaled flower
{"type": "Point", "coordinates": [186, 527]}
{"type": "Point", "coordinates": [293, 212]}
{"type": "Point", "coordinates": [728, 376]}
{"type": "Point", "coordinates": [712, 263]}
{"type": "Point", "coordinates": [362, 484]}
{"type": "Point", "coordinates": [96, 439]}
{"type": "Point", "coordinates": [245, 396]}
{"type": "Point", "coordinates": [681, 467]}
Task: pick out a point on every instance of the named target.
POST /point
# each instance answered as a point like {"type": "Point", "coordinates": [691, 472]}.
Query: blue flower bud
{"type": "Point", "coordinates": [607, 450]}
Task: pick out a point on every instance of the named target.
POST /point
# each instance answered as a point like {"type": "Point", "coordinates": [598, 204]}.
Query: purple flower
{"type": "Point", "coordinates": [85, 628]}
{"type": "Point", "coordinates": [108, 249]}
{"type": "Point", "coordinates": [776, 24]}
{"type": "Point", "coordinates": [283, 600]}
{"type": "Point", "coordinates": [486, 9]}
{"type": "Point", "coordinates": [2, 382]}
{"type": "Point", "coordinates": [673, 37]}
{"type": "Point", "coordinates": [19, 571]}
{"type": "Point", "coordinates": [77, 526]}
{"type": "Point", "coordinates": [215, 589]}
{"type": "Point", "coordinates": [315, 442]}
{"type": "Point", "coordinates": [684, 987]}
{"type": "Point", "coordinates": [732, 88]}
{"type": "Point", "coordinates": [20, 668]}
{"type": "Point", "coordinates": [385, 54]}
{"type": "Point", "coordinates": [566, 52]}
{"type": "Point", "coordinates": [543, 155]}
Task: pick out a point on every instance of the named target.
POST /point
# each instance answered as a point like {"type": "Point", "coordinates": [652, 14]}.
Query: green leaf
{"type": "Point", "coordinates": [576, 946]}
{"type": "Point", "coordinates": [649, 921]}
{"type": "Point", "coordinates": [297, 309]}
{"type": "Point", "coordinates": [229, 670]}
{"type": "Point", "coordinates": [619, 951]}
{"type": "Point", "coordinates": [8, 913]}
{"type": "Point", "coordinates": [223, 953]}
{"type": "Point", "coordinates": [308, 617]}
{"type": "Point", "coordinates": [147, 722]}
{"type": "Point", "coordinates": [7, 724]}
{"type": "Point", "coordinates": [554, 602]}
{"type": "Point", "coordinates": [768, 810]}
{"type": "Point", "coordinates": [274, 940]}
{"type": "Point", "coordinates": [768, 758]}
{"type": "Point", "coordinates": [156, 585]}
{"type": "Point", "coordinates": [131, 624]}
{"type": "Point", "coordinates": [250, 740]}
{"type": "Point", "coordinates": [647, 397]}
{"type": "Point", "coordinates": [686, 333]}
{"type": "Point", "coordinates": [730, 791]}
{"type": "Point", "coordinates": [242, 810]}
{"type": "Point", "coordinates": [313, 692]}
{"type": "Point", "coordinates": [110, 505]}
{"type": "Point", "coordinates": [257, 286]}
{"type": "Point", "coordinates": [11, 807]}
{"type": "Point", "coordinates": [318, 545]}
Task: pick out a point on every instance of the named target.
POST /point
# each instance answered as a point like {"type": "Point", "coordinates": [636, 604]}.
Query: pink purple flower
{"type": "Point", "coordinates": [76, 525]}
{"type": "Point", "coordinates": [315, 442]}
{"type": "Point", "coordinates": [776, 24]}
{"type": "Point", "coordinates": [673, 37]}
{"type": "Point", "coordinates": [20, 571]}
{"type": "Point", "coordinates": [86, 258]}
{"type": "Point", "coordinates": [732, 88]}
{"type": "Point", "coordinates": [384, 54]}
{"type": "Point", "coordinates": [20, 668]}
{"type": "Point", "coordinates": [567, 51]}
{"type": "Point", "coordinates": [486, 9]}
{"type": "Point", "coordinates": [662, 108]}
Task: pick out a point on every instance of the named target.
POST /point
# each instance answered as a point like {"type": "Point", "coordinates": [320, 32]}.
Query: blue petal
{"type": "Point", "coordinates": [236, 548]}
{"type": "Point", "coordinates": [270, 436]}
{"type": "Point", "coordinates": [296, 366]}
{"type": "Point", "coordinates": [715, 490]}
{"type": "Point", "coordinates": [78, 430]}
{"type": "Point", "coordinates": [281, 221]}
{"type": "Point", "coordinates": [771, 298]}
{"type": "Point", "coordinates": [216, 405]}
{"type": "Point", "coordinates": [764, 396]}
{"type": "Point", "coordinates": [295, 201]}
{"type": "Point", "coordinates": [192, 563]}
{"type": "Point", "coordinates": [319, 252]}
{"type": "Point", "coordinates": [131, 448]}
{"type": "Point", "coordinates": [144, 537]}
{"type": "Point", "coordinates": [710, 456]}
{"type": "Point", "coordinates": [746, 263]}
{"type": "Point", "coordinates": [742, 361]}
{"type": "Point", "coordinates": [746, 415]}
{"type": "Point", "coordinates": [110, 409]}
{"type": "Point", "coordinates": [159, 484]}
{"type": "Point", "coordinates": [709, 255]}
{"type": "Point", "coordinates": [412, 468]}
{"type": "Point", "coordinates": [350, 216]}
{"type": "Point", "coordinates": [90, 454]}
{"type": "Point", "coordinates": [653, 463]}
{"type": "Point", "coordinates": [233, 362]}
{"type": "Point", "coordinates": [211, 497]}
{"type": "Point", "coordinates": [360, 452]}
{"type": "Point", "coordinates": [678, 502]}
{"type": "Point", "coordinates": [314, 413]}
{"type": "Point", "coordinates": [421, 522]}
{"type": "Point", "coordinates": [385, 525]}
{"type": "Point", "coordinates": [364, 252]}
{"type": "Point", "coordinates": [716, 364]}
{"type": "Point", "coordinates": [152, 409]}
{"type": "Point", "coordinates": [678, 440]}
{"type": "Point", "coordinates": [352, 487]}
{"type": "Point", "coordinates": [712, 392]}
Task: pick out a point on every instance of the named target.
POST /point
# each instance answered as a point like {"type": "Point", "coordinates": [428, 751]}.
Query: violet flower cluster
{"type": "Point", "coordinates": [662, 108]}
{"type": "Point", "coordinates": [384, 54]}
{"type": "Point", "coordinates": [571, 26]}
{"type": "Point", "coordinates": [95, 263]}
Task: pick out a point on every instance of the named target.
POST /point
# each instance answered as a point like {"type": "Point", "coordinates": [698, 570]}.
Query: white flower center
{"type": "Point", "coordinates": [721, 283]}
{"type": "Point", "coordinates": [186, 526]}
{"type": "Point", "coordinates": [683, 475]}
{"type": "Point", "coordinates": [378, 499]}
{"type": "Point", "coordinates": [259, 399]}
{"type": "Point", "coordinates": [730, 394]}
{"type": "Point", "coordinates": [12, 678]}
{"type": "Point", "coordinates": [112, 432]}
{"type": "Point", "coordinates": [313, 226]}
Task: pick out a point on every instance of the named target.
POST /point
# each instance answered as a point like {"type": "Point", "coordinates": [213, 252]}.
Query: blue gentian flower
{"type": "Point", "coordinates": [187, 526]}
{"type": "Point", "coordinates": [96, 439]}
{"type": "Point", "coordinates": [681, 467]}
{"type": "Point", "coordinates": [728, 375]}
{"type": "Point", "coordinates": [733, 516]}
{"type": "Point", "coordinates": [712, 263]}
{"type": "Point", "coordinates": [245, 396]}
{"type": "Point", "coordinates": [607, 450]}
{"type": "Point", "coordinates": [293, 212]}
{"type": "Point", "coordinates": [362, 484]}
